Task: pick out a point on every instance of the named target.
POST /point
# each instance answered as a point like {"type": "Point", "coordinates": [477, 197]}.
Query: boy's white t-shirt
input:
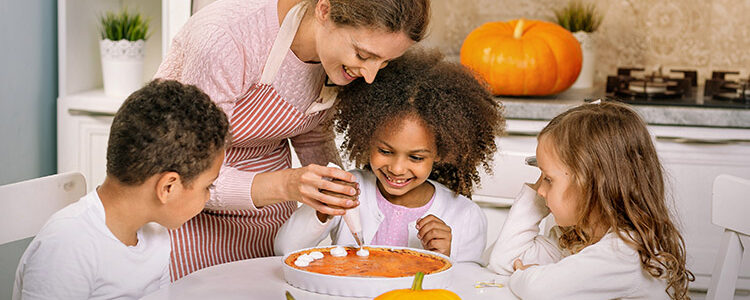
{"type": "Point", "coordinates": [76, 256]}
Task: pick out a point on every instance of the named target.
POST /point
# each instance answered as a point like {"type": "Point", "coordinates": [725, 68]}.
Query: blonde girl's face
{"type": "Point", "coordinates": [402, 157]}
{"type": "Point", "coordinates": [556, 186]}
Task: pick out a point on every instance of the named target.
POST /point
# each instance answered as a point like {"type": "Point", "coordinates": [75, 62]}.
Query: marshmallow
{"type": "Point", "coordinates": [363, 252]}
{"type": "Point", "coordinates": [301, 263]}
{"type": "Point", "coordinates": [338, 251]}
{"type": "Point", "coordinates": [316, 255]}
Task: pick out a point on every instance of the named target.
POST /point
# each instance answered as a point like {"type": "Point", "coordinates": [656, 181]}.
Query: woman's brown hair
{"type": "Point", "coordinates": [608, 149]}
{"type": "Point", "coordinates": [408, 16]}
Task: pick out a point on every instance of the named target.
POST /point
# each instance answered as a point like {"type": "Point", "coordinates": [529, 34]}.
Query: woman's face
{"type": "Point", "coordinates": [348, 53]}
{"type": "Point", "coordinates": [557, 187]}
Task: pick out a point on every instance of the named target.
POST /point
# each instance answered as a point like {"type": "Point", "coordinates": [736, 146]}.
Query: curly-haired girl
{"type": "Point", "coordinates": [419, 133]}
{"type": "Point", "coordinates": [602, 181]}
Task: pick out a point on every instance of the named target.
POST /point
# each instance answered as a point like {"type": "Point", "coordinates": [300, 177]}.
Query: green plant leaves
{"type": "Point", "coordinates": [124, 26]}
{"type": "Point", "coordinates": [577, 16]}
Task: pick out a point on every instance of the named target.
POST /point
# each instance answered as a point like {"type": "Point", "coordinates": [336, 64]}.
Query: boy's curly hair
{"type": "Point", "coordinates": [449, 100]}
{"type": "Point", "coordinates": [165, 126]}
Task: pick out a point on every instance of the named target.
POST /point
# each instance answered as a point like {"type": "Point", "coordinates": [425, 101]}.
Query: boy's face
{"type": "Point", "coordinates": [402, 157]}
{"type": "Point", "coordinates": [557, 188]}
{"type": "Point", "coordinates": [190, 200]}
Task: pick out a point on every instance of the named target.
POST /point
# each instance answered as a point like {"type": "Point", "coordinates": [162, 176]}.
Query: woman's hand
{"type": "Point", "coordinates": [435, 234]}
{"type": "Point", "coordinates": [328, 190]}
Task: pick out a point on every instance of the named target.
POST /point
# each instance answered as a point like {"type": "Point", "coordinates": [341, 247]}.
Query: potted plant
{"type": "Point", "coordinates": [582, 20]}
{"type": "Point", "coordinates": [122, 49]}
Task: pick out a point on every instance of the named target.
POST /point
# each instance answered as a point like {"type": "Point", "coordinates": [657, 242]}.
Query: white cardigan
{"type": "Point", "coordinates": [608, 269]}
{"type": "Point", "coordinates": [467, 222]}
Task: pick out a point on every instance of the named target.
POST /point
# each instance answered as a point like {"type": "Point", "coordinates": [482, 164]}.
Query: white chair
{"type": "Point", "coordinates": [729, 209]}
{"type": "Point", "coordinates": [24, 208]}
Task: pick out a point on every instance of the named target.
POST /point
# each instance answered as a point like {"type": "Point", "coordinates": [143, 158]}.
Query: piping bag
{"type": "Point", "coordinates": [351, 218]}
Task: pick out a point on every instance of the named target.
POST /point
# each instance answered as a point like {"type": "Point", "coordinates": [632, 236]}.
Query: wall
{"type": "Point", "coordinates": [28, 88]}
{"type": "Point", "coordinates": [705, 35]}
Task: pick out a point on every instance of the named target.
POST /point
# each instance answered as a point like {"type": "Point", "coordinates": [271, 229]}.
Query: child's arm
{"type": "Point", "coordinates": [597, 272]}
{"type": "Point", "coordinates": [303, 230]}
{"type": "Point", "coordinates": [469, 235]}
{"type": "Point", "coordinates": [519, 237]}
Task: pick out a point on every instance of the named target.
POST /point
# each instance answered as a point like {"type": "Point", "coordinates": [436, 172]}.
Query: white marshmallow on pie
{"type": "Point", "coordinates": [363, 252]}
{"type": "Point", "coordinates": [301, 263]}
{"type": "Point", "coordinates": [338, 251]}
{"type": "Point", "coordinates": [316, 255]}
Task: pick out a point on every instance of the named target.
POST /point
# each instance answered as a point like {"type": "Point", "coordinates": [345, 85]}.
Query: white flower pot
{"type": "Point", "coordinates": [586, 77]}
{"type": "Point", "coordinates": [122, 66]}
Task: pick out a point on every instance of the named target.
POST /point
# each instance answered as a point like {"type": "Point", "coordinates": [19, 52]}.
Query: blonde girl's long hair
{"type": "Point", "coordinates": [609, 152]}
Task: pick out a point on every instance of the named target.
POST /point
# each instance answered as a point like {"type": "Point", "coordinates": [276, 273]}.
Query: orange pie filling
{"type": "Point", "coordinates": [382, 262]}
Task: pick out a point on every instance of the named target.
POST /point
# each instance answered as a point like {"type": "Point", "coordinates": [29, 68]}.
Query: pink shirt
{"type": "Point", "coordinates": [222, 50]}
{"type": "Point", "coordinates": [393, 230]}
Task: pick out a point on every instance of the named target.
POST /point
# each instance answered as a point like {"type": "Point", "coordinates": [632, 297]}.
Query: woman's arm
{"type": "Point", "coordinates": [209, 57]}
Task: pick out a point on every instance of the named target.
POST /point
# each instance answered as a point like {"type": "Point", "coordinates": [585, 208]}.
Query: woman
{"type": "Point", "coordinates": [272, 66]}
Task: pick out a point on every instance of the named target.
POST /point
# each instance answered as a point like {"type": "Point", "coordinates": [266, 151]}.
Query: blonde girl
{"type": "Point", "coordinates": [602, 181]}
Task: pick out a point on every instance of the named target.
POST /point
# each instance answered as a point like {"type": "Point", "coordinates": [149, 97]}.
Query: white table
{"type": "Point", "coordinates": [262, 278]}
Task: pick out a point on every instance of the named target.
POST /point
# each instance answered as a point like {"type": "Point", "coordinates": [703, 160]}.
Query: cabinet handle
{"type": "Point", "coordinates": [83, 112]}
{"type": "Point", "coordinates": [521, 133]}
{"type": "Point", "coordinates": [699, 141]}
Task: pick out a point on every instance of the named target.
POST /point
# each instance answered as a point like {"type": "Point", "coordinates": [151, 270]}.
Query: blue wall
{"type": "Point", "coordinates": [28, 89]}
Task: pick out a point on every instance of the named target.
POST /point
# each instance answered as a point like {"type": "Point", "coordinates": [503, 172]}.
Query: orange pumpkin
{"type": "Point", "coordinates": [523, 57]}
{"type": "Point", "coordinates": [417, 293]}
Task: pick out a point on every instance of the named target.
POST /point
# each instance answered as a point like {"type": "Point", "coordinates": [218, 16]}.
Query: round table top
{"type": "Point", "coordinates": [262, 278]}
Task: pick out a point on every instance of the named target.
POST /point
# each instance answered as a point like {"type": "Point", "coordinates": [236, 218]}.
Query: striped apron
{"type": "Point", "coordinates": [261, 123]}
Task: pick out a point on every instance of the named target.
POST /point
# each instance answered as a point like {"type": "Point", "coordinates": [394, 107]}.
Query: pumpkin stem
{"type": "Point", "coordinates": [417, 285]}
{"type": "Point", "coordinates": [518, 31]}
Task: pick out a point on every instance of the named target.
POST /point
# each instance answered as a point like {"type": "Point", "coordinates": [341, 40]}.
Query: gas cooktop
{"type": "Point", "coordinates": [678, 88]}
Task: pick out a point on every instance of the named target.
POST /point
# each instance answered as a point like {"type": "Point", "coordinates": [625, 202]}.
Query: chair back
{"type": "Point", "coordinates": [27, 205]}
{"type": "Point", "coordinates": [729, 209]}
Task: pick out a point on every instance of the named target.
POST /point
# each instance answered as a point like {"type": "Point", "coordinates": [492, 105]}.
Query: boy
{"type": "Point", "coordinates": [165, 148]}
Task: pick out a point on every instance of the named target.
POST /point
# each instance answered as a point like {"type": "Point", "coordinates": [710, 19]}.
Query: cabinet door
{"type": "Point", "coordinates": [82, 145]}
{"type": "Point", "coordinates": [94, 134]}
{"type": "Point", "coordinates": [690, 170]}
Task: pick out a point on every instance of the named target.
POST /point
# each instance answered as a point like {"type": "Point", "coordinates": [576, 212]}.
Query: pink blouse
{"type": "Point", "coordinates": [393, 230]}
{"type": "Point", "coordinates": [222, 50]}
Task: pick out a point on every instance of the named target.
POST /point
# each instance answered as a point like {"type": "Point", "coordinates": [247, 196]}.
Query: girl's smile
{"type": "Point", "coordinates": [402, 157]}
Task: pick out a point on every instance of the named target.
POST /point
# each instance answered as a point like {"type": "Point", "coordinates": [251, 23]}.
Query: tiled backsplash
{"type": "Point", "coordinates": [705, 35]}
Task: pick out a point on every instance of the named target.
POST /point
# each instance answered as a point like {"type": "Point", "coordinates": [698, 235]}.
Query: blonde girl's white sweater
{"type": "Point", "coordinates": [608, 269]}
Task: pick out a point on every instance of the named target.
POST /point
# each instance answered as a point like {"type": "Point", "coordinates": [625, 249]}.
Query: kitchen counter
{"type": "Point", "coordinates": [547, 107]}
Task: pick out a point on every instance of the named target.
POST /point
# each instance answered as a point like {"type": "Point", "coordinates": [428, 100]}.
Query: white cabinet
{"type": "Point", "coordinates": [84, 113]}
{"type": "Point", "coordinates": [692, 158]}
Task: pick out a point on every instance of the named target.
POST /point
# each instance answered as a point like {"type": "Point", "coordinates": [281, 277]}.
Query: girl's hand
{"type": "Point", "coordinates": [310, 186]}
{"type": "Point", "coordinates": [538, 182]}
{"type": "Point", "coordinates": [435, 235]}
{"type": "Point", "coordinates": [518, 265]}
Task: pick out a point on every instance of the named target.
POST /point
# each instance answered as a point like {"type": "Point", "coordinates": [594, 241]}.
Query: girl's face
{"type": "Point", "coordinates": [402, 159]}
{"type": "Point", "coordinates": [348, 53]}
{"type": "Point", "coordinates": [556, 187]}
